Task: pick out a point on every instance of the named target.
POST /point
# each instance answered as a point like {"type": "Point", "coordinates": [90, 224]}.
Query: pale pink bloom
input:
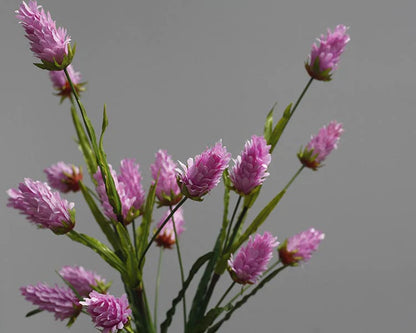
{"type": "Point", "coordinates": [203, 173]}
{"type": "Point", "coordinates": [299, 248]}
{"type": "Point", "coordinates": [108, 312]}
{"type": "Point", "coordinates": [250, 168]}
{"type": "Point", "coordinates": [131, 177]}
{"type": "Point", "coordinates": [166, 237]}
{"type": "Point", "coordinates": [42, 206]}
{"type": "Point", "coordinates": [47, 42]}
{"type": "Point", "coordinates": [80, 279]}
{"type": "Point", "coordinates": [321, 145]}
{"type": "Point", "coordinates": [59, 300]}
{"type": "Point", "coordinates": [164, 171]}
{"type": "Point", "coordinates": [251, 260]}
{"type": "Point", "coordinates": [324, 57]}
{"type": "Point", "coordinates": [64, 177]}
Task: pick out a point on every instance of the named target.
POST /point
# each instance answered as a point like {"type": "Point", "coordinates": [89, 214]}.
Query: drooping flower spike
{"type": "Point", "coordinates": [251, 260]}
{"type": "Point", "coordinates": [324, 58]}
{"type": "Point", "coordinates": [42, 206]}
{"type": "Point", "coordinates": [166, 238]}
{"type": "Point", "coordinates": [64, 177]}
{"type": "Point", "coordinates": [108, 312]}
{"type": "Point", "coordinates": [61, 84]}
{"type": "Point", "coordinates": [48, 43]}
{"type": "Point", "coordinates": [299, 248]}
{"type": "Point", "coordinates": [204, 172]}
{"type": "Point", "coordinates": [61, 301]}
{"type": "Point", "coordinates": [250, 168]}
{"type": "Point", "coordinates": [82, 280]}
{"type": "Point", "coordinates": [321, 145]}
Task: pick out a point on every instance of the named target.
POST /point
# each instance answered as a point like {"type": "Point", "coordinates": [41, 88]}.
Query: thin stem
{"type": "Point", "coordinates": [225, 294]}
{"type": "Point", "coordinates": [178, 250]}
{"type": "Point", "coordinates": [159, 265]}
{"type": "Point", "coordinates": [236, 228]}
{"type": "Point", "coordinates": [301, 96]}
{"type": "Point", "coordinates": [293, 178]}
{"type": "Point", "coordinates": [160, 229]}
{"type": "Point", "coordinates": [134, 236]}
{"type": "Point", "coordinates": [231, 221]}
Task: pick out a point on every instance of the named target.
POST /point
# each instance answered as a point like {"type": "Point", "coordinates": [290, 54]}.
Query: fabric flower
{"type": "Point", "coordinates": [164, 171]}
{"type": "Point", "coordinates": [47, 42]}
{"type": "Point", "coordinates": [166, 237]}
{"type": "Point", "coordinates": [324, 58]}
{"type": "Point", "coordinates": [300, 247]}
{"type": "Point", "coordinates": [204, 172]}
{"type": "Point", "coordinates": [131, 178]}
{"type": "Point", "coordinates": [42, 206]}
{"type": "Point", "coordinates": [251, 260]}
{"type": "Point", "coordinates": [64, 177]}
{"type": "Point", "coordinates": [108, 312]}
{"type": "Point", "coordinates": [59, 300]}
{"type": "Point", "coordinates": [321, 145]}
{"type": "Point", "coordinates": [61, 84]}
{"type": "Point", "coordinates": [250, 168]}
{"type": "Point", "coordinates": [81, 280]}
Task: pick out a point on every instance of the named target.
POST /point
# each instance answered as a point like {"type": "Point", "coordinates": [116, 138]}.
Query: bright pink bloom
{"type": "Point", "coordinates": [81, 280]}
{"type": "Point", "coordinates": [321, 145]}
{"type": "Point", "coordinates": [61, 84]}
{"type": "Point", "coordinates": [47, 42]}
{"type": "Point", "coordinates": [131, 178]}
{"type": "Point", "coordinates": [108, 312]}
{"type": "Point", "coordinates": [324, 58]}
{"type": "Point", "coordinates": [250, 168]}
{"type": "Point", "coordinates": [59, 300]}
{"type": "Point", "coordinates": [64, 177]}
{"type": "Point", "coordinates": [164, 171]}
{"type": "Point", "coordinates": [251, 261]}
{"type": "Point", "coordinates": [300, 247]}
{"type": "Point", "coordinates": [203, 173]}
{"type": "Point", "coordinates": [42, 206]}
{"type": "Point", "coordinates": [166, 237]}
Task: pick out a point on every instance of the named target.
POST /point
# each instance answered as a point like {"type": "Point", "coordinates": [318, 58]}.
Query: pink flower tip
{"type": "Point", "coordinates": [321, 145]}
{"type": "Point", "coordinates": [107, 311]}
{"type": "Point", "coordinates": [324, 58]}
{"type": "Point", "coordinates": [82, 280]}
{"type": "Point", "coordinates": [299, 248]}
{"type": "Point", "coordinates": [201, 174]}
{"type": "Point", "coordinates": [64, 177]}
{"type": "Point", "coordinates": [252, 260]}
{"type": "Point", "coordinates": [166, 238]}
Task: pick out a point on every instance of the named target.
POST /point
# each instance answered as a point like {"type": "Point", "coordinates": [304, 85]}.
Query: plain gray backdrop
{"type": "Point", "coordinates": [180, 75]}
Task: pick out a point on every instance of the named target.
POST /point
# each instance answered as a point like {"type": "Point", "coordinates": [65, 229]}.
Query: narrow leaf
{"type": "Point", "coordinates": [130, 255]}
{"type": "Point", "coordinates": [279, 128]}
{"type": "Point", "coordinates": [268, 125]}
{"type": "Point", "coordinates": [33, 312]}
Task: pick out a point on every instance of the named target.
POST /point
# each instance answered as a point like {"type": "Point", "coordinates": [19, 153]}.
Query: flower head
{"type": "Point", "coordinates": [203, 173]}
{"type": "Point", "coordinates": [42, 206]}
{"type": "Point", "coordinates": [300, 247]}
{"type": "Point", "coordinates": [166, 237]}
{"type": "Point", "coordinates": [81, 280]}
{"type": "Point", "coordinates": [250, 168]}
{"type": "Point", "coordinates": [61, 84]}
{"type": "Point", "coordinates": [58, 300]}
{"type": "Point", "coordinates": [324, 58]}
{"type": "Point", "coordinates": [64, 177]}
{"type": "Point", "coordinates": [321, 145]}
{"type": "Point", "coordinates": [48, 43]}
{"type": "Point", "coordinates": [108, 312]}
{"type": "Point", "coordinates": [131, 178]}
{"type": "Point", "coordinates": [164, 171]}
{"type": "Point", "coordinates": [251, 261]}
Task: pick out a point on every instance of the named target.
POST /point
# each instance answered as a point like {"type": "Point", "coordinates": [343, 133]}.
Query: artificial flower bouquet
{"type": "Point", "coordinates": [123, 209]}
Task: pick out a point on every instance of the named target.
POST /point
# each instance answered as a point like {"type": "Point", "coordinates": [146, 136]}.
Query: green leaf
{"type": "Point", "coordinates": [209, 319]}
{"type": "Point", "coordinates": [130, 255]}
{"type": "Point", "coordinates": [103, 250]}
{"type": "Point", "coordinates": [33, 312]}
{"type": "Point", "coordinates": [280, 127]}
{"type": "Point", "coordinates": [268, 125]}
{"type": "Point", "coordinates": [194, 269]}
{"type": "Point", "coordinates": [225, 220]}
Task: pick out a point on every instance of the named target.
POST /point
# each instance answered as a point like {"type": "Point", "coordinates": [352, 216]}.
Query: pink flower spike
{"type": "Point", "coordinates": [166, 237]}
{"type": "Point", "coordinates": [323, 59]}
{"type": "Point", "coordinates": [250, 168]}
{"type": "Point", "coordinates": [203, 173]}
{"type": "Point", "coordinates": [48, 43]}
{"type": "Point", "coordinates": [42, 206]}
{"type": "Point", "coordinates": [61, 84]}
{"type": "Point", "coordinates": [299, 248]}
{"type": "Point", "coordinates": [108, 312]}
{"type": "Point", "coordinates": [164, 171]}
{"type": "Point", "coordinates": [60, 301]}
{"type": "Point", "coordinates": [64, 177]}
{"type": "Point", "coordinates": [131, 178]}
{"type": "Point", "coordinates": [321, 145]}
{"type": "Point", "coordinates": [251, 261]}
{"type": "Point", "coordinates": [81, 280]}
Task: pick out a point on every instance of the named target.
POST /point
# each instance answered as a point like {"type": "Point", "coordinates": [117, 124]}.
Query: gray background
{"type": "Point", "coordinates": [179, 75]}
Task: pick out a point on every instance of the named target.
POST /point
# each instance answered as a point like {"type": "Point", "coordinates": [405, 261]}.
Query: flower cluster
{"type": "Point", "coordinates": [64, 177]}
{"type": "Point", "coordinates": [82, 280]}
{"type": "Point", "coordinates": [166, 237]}
{"type": "Point", "coordinates": [61, 85]}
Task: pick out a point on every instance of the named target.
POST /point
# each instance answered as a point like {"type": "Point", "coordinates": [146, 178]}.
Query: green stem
{"type": "Point", "coordinates": [159, 265]}
{"type": "Point", "coordinates": [231, 222]}
{"type": "Point", "coordinates": [236, 228]}
{"type": "Point", "coordinates": [293, 178]}
{"type": "Point", "coordinates": [301, 96]}
{"type": "Point", "coordinates": [178, 250]}
{"type": "Point", "coordinates": [225, 294]}
{"type": "Point", "coordinates": [134, 236]}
